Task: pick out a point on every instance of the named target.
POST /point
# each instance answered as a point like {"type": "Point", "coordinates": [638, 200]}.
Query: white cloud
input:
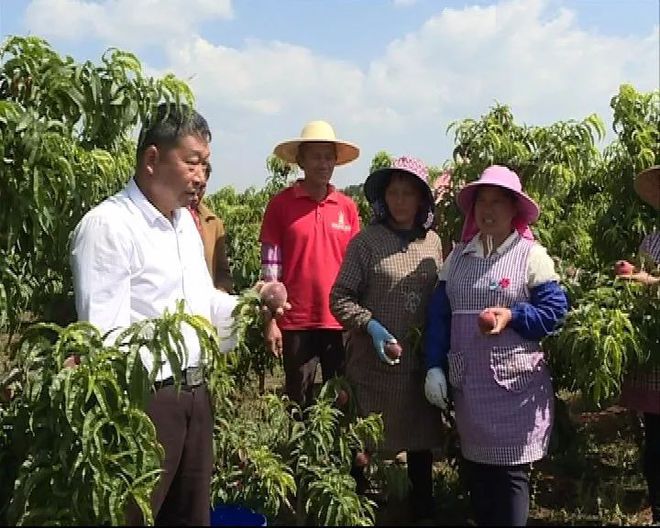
{"type": "Point", "coordinates": [524, 53]}
{"type": "Point", "coordinates": [461, 61]}
{"type": "Point", "coordinates": [123, 22]}
{"type": "Point", "coordinates": [271, 77]}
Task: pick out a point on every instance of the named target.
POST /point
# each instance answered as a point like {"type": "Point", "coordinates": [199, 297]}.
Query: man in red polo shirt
{"type": "Point", "coordinates": [304, 235]}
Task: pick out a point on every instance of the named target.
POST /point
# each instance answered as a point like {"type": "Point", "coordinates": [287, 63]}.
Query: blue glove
{"type": "Point", "coordinates": [380, 336]}
{"type": "Point", "coordinates": [435, 387]}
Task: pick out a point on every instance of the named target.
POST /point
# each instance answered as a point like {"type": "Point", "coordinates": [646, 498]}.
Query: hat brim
{"type": "Point", "coordinates": [288, 150]}
{"type": "Point", "coordinates": [527, 208]}
{"type": "Point", "coordinates": [647, 186]}
{"type": "Point", "coordinates": [374, 186]}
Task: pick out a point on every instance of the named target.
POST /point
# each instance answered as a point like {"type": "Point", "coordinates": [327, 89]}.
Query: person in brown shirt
{"type": "Point", "coordinates": [212, 231]}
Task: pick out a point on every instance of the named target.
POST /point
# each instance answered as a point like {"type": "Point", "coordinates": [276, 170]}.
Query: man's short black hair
{"type": "Point", "coordinates": [168, 124]}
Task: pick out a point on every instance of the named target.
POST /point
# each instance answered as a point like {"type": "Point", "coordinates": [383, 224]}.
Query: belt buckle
{"type": "Point", "coordinates": [194, 376]}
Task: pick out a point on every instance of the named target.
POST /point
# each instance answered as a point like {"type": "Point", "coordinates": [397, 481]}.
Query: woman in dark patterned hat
{"type": "Point", "coordinates": [380, 296]}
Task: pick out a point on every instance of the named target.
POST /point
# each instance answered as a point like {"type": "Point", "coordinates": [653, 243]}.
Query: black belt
{"type": "Point", "coordinates": [190, 378]}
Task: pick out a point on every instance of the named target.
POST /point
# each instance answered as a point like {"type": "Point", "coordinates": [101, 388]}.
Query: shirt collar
{"type": "Point", "coordinates": [476, 248]}
{"type": "Point", "coordinates": [205, 212]}
{"type": "Point", "coordinates": [300, 192]}
{"type": "Point", "coordinates": [151, 214]}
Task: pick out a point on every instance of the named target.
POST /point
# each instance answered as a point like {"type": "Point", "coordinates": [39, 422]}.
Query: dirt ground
{"type": "Point", "coordinates": [592, 476]}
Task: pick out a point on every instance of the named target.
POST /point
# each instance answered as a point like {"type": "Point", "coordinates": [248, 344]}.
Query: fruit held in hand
{"type": "Point", "coordinates": [487, 321]}
{"type": "Point", "coordinates": [623, 267]}
{"type": "Point", "coordinates": [71, 361]}
{"type": "Point", "coordinates": [273, 294]}
{"type": "Point", "coordinates": [342, 398]}
{"type": "Point", "coordinates": [393, 350]}
{"type": "Point", "coordinates": [362, 459]}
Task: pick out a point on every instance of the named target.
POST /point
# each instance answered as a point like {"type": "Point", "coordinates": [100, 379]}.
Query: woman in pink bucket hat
{"type": "Point", "coordinates": [641, 387]}
{"type": "Point", "coordinates": [498, 295]}
{"type": "Point", "coordinates": [380, 295]}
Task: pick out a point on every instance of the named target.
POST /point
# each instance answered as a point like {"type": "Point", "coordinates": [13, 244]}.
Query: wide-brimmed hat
{"type": "Point", "coordinates": [374, 187]}
{"type": "Point", "coordinates": [500, 176]}
{"type": "Point", "coordinates": [317, 132]}
{"type": "Point", "coordinates": [647, 186]}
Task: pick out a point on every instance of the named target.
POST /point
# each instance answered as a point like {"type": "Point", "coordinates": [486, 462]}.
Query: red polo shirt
{"type": "Point", "coordinates": [312, 237]}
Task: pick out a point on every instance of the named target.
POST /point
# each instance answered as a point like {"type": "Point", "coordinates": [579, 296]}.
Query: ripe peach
{"type": "Point", "coordinates": [487, 321]}
{"type": "Point", "coordinates": [71, 361]}
{"type": "Point", "coordinates": [342, 398]}
{"type": "Point", "coordinates": [623, 267]}
{"type": "Point", "coordinates": [362, 459]}
{"type": "Point", "coordinates": [393, 350]}
{"type": "Point", "coordinates": [274, 295]}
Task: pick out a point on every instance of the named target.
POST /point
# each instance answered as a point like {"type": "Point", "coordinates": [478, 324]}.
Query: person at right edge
{"type": "Point", "coordinates": [641, 387]}
{"type": "Point", "coordinates": [500, 384]}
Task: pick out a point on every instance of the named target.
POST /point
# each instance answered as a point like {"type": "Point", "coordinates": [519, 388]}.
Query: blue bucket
{"type": "Point", "coordinates": [231, 515]}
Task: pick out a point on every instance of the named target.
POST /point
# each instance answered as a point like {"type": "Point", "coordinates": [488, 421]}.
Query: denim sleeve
{"type": "Point", "coordinates": [438, 329]}
{"type": "Point", "coordinates": [539, 317]}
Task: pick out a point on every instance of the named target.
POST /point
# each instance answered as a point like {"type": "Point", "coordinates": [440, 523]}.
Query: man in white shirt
{"type": "Point", "coordinates": [135, 255]}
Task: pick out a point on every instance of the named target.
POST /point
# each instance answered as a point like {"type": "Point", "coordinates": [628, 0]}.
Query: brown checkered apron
{"type": "Point", "coordinates": [393, 282]}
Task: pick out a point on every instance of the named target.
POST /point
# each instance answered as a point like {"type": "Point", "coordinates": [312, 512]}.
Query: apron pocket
{"type": "Point", "coordinates": [456, 368]}
{"type": "Point", "coordinates": [514, 367]}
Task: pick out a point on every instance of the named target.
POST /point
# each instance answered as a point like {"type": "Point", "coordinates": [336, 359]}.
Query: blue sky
{"type": "Point", "coordinates": [388, 74]}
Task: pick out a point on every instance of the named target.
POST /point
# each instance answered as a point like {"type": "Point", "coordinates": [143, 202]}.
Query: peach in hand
{"type": "Point", "coordinates": [393, 350]}
{"type": "Point", "coordinates": [487, 321]}
{"type": "Point", "coordinates": [623, 267]}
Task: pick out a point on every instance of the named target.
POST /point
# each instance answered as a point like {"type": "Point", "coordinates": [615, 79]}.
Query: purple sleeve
{"type": "Point", "coordinates": [651, 246]}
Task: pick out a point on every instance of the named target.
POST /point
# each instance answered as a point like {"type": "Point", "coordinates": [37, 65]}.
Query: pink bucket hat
{"type": "Point", "coordinates": [528, 209]}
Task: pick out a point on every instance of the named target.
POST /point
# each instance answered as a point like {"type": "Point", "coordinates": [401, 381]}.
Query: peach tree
{"type": "Point", "coordinates": [65, 144]}
{"type": "Point", "coordinates": [76, 444]}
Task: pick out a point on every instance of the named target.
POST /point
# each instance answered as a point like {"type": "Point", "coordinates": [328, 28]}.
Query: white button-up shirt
{"type": "Point", "coordinates": [131, 263]}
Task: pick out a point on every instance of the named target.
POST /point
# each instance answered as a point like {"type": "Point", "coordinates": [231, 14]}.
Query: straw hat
{"type": "Point", "coordinates": [317, 132]}
{"type": "Point", "coordinates": [647, 186]}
